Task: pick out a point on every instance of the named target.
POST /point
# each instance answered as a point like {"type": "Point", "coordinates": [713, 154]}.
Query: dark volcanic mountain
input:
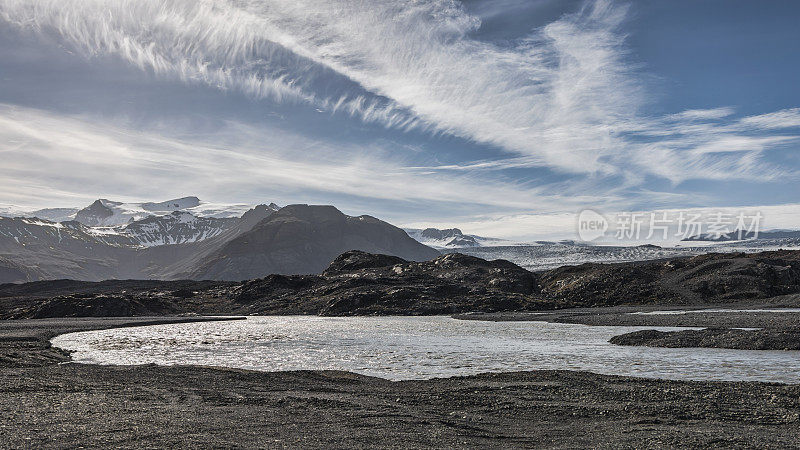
{"type": "Point", "coordinates": [304, 239]}
{"type": "Point", "coordinates": [435, 233]}
{"type": "Point", "coordinates": [703, 279]}
{"type": "Point", "coordinates": [354, 283]}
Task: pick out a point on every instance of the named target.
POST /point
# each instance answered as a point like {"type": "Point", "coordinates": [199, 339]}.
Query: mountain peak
{"type": "Point", "coordinates": [94, 214]}
{"type": "Point", "coordinates": [172, 205]}
{"type": "Point", "coordinates": [304, 238]}
{"type": "Point", "coordinates": [435, 233]}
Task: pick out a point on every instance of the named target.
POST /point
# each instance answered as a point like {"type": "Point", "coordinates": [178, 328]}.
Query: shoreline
{"type": "Point", "coordinates": [743, 327]}
{"type": "Point", "coordinates": [26, 342]}
{"type": "Point", "coordinates": [733, 315]}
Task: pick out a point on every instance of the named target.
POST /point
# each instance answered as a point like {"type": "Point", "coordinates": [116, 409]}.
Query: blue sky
{"type": "Point", "coordinates": [496, 116]}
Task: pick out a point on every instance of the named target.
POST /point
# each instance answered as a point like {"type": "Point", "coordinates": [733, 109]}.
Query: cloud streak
{"type": "Point", "coordinates": [57, 158]}
{"type": "Point", "coordinates": [566, 97]}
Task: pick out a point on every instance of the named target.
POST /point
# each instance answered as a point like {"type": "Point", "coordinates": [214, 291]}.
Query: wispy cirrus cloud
{"type": "Point", "coordinates": [566, 96]}
{"type": "Point", "coordinates": [54, 158]}
{"type": "Point", "coordinates": [787, 118]}
{"type": "Point", "coordinates": [702, 114]}
{"type": "Point", "coordinates": [215, 43]}
{"type": "Point", "coordinates": [554, 96]}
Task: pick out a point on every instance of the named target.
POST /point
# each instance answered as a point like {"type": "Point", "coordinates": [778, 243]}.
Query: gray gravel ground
{"type": "Point", "coordinates": [47, 403]}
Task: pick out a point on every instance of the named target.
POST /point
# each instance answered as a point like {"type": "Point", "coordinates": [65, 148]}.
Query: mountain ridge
{"type": "Point", "coordinates": [304, 239]}
{"type": "Point", "coordinates": [105, 212]}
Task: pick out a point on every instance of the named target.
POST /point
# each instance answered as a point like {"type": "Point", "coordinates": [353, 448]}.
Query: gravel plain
{"type": "Point", "coordinates": [48, 402]}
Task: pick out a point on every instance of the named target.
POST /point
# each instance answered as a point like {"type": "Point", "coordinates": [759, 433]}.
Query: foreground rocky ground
{"type": "Point", "coordinates": [47, 404]}
{"type": "Point", "coordinates": [358, 283]}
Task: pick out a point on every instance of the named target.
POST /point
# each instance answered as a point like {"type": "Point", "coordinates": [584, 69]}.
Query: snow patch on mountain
{"type": "Point", "coordinates": [180, 227]}
{"type": "Point", "coordinates": [104, 212]}
{"type": "Point", "coordinates": [171, 205]}
{"type": "Point", "coordinates": [7, 210]}
{"type": "Point", "coordinates": [224, 211]}
{"type": "Point", "coordinates": [42, 223]}
{"type": "Point", "coordinates": [102, 231]}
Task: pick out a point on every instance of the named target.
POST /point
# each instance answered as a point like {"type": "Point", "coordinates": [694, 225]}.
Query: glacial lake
{"type": "Point", "coordinates": [401, 348]}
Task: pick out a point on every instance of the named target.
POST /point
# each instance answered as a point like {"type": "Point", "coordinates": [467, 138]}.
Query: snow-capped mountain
{"type": "Point", "coordinates": [34, 232]}
{"type": "Point", "coordinates": [10, 211]}
{"type": "Point", "coordinates": [53, 214]}
{"type": "Point", "coordinates": [105, 212]}
{"type": "Point", "coordinates": [451, 238]}
{"type": "Point", "coordinates": [35, 249]}
{"type": "Point", "coordinates": [176, 228]}
{"type": "Point", "coordinates": [109, 213]}
{"type": "Point", "coordinates": [120, 224]}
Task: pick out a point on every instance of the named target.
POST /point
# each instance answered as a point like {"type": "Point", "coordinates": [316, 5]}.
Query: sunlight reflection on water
{"type": "Point", "coordinates": [400, 348]}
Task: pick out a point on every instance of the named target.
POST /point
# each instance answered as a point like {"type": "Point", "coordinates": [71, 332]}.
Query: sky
{"type": "Point", "coordinates": [503, 117]}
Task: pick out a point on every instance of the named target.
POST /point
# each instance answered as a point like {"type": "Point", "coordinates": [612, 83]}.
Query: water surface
{"type": "Point", "coordinates": [401, 348]}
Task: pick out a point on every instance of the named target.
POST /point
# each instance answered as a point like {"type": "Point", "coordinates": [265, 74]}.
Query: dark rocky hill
{"type": "Point", "coordinates": [358, 283]}
{"type": "Point", "coordinates": [704, 279]}
{"type": "Point", "coordinates": [304, 239]}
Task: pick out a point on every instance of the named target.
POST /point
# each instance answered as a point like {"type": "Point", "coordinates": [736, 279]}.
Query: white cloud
{"type": "Point", "coordinates": [560, 97]}
{"type": "Point", "coordinates": [565, 97]}
{"type": "Point", "coordinates": [786, 118]}
{"type": "Point", "coordinates": [702, 114]}
{"type": "Point", "coordinates": [58, 159]}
